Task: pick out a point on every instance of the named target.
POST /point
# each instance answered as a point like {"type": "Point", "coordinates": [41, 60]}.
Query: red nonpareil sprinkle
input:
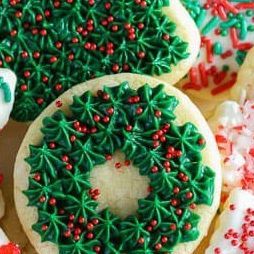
{"type": "Point", "coordinates": [232, 207]}
{"type": "Point", "coordinates": [118, 165]}
{"type": "Point", "coordinates": [59, 104]}
{"type": "Point", "coordinates": [10, 248]}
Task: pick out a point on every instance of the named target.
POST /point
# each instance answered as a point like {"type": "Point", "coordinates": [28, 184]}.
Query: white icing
{"type": "Point", "coordinates": [6, 108]}
{"type": "Point", "coordinates": [227, 114]}
{"type": "Point", "coordinates": [233, 219]}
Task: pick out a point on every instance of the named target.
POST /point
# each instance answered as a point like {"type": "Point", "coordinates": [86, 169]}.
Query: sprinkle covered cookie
{"type": "Point", "coordinates": [235, 228]}
{"type": "Point", "coordinates": [53, 45]}
{"type": "Point", "coordinates": [7, 89]}
{"type": "Point", "coordinates": [163, 138]}
{"type": "Point", "coordinates": [227, 34]}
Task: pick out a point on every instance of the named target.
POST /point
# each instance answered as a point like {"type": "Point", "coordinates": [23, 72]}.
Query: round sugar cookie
{"type": "Point", "coordinates": [53, 45]}
{"type": "Point", "coordinates": [227, 34]}
{"type": "Point", "coordinates": [154, 138]}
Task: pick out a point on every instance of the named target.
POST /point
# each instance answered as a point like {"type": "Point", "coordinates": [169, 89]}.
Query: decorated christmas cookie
{"type": "Point", "coordinates": [6, 247]}
{"type": "Point", "coordinates": [53, 45]}
{"type": "Point", "coordinates": [235, 230]}
{"type": "Point", "coordinates": [123, 163]}
{"type": "Point", "coordinates": [233, 127]}
{"type": "Point", "coordinates": [7, 88]}
{"type": "Point", "coordinates": [227, 33]}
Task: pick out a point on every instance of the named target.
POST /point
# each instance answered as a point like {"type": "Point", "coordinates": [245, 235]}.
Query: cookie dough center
{"type": "Point", "coordinates": [120, 185]}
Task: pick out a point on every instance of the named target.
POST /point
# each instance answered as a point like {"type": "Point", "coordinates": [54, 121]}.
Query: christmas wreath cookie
{"type": "Point", "coordinates": [235, 228]}
{"type": "Point", "coordinates": [227, 34]}
{"type": "Point", "coordinates": [53, 45]}
{"type": "Point", "coordinates": [120, 164]}
{"type": "Point", "coordinates": [7, 89]}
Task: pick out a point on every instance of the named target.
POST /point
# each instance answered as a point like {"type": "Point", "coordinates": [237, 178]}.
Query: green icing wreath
{"type": "Point", "coordinates": [52, 45]}
{"type": "Point", "coordinates": [141, 124]}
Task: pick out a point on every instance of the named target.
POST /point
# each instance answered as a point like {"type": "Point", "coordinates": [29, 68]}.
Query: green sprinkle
{"type": "Point", "coordinates": [217, 48]}
{"type": "Point", "coordinates": [243, 31]}
{"type": "Point", "coordinates": [230, 23]}
{"type": "Point", "coordinates": [249, 13]}
{"type": "Point", "coordinates": [240, 56]}
{"type": "Point", "coordinates": [201, 17]}
{"type": "Point", "coordinates": [251, 28]}
{"type": "Point", "coordinates": [224, 32]}
{"type": "Point", "coordinates": [225, 67]}
{"type": "Point", "coordinates": [210, 25]}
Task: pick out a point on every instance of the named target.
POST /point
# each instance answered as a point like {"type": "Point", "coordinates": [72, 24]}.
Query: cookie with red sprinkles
{"type": "Point", "coordinates": [53, 45]}
{"type": "Point", "coordinates": [126, 164]}
{"type": "Point", "coordinates": [234, 233]}
{"type": "Point", "coordinates": [227, 34]}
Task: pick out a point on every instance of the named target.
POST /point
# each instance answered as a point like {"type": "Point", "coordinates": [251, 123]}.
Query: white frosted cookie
{"type": "Point", "coordinates": [235, 228]}
{"type": "Point", "coordinates": [7, 88]}
{"type": "Point", "coordinates": [117, 183]}
{"type": "Point", "coordinates": [233, 128]}
{"type": "Point", "coordinates": [227, 34]}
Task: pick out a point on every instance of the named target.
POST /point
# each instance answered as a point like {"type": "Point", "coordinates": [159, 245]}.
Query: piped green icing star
{"type": "Point", "coordinates": [59, 129]}
{"type": "Point", "coordinates": [44, 159]}
{"type": "Point", "coordinates": [131, 231]}
{"type": "Point", "coordinates": [81, 205]}
{"type": "Point", "coordinates": [154, 208]}
{"type": "Point", "coordinates": [54, 224]}
{"type": "Point", "coordinates": [107, 227]}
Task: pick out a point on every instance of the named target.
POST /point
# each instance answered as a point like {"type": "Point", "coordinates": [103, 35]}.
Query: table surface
{"type": "Point", "coordinates": [10, 139]}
